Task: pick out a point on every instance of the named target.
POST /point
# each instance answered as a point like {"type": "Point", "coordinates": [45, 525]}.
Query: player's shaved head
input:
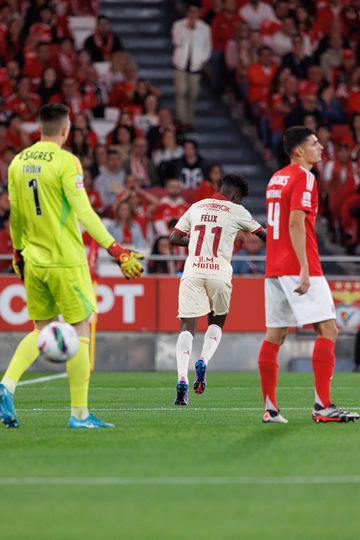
{"type": "Point", "coordinates": [53, 118]}
{"type": "Point", "coordinates": [234, 187]}
{"type": "Point", "coordinates": [295, 136]}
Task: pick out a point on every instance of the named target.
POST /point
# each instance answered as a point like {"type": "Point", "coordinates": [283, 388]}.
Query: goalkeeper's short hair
{"type": "Point", "coordinates": [52, 118]}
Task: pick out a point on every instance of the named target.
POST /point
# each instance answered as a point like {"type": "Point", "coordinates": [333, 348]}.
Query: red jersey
{"type": "Point", "coordinates": [290, 188]}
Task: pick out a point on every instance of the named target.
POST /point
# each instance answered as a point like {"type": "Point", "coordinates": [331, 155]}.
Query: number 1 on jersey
{"type": "Point", "coordinates": [216, 231]}
{"type": "Point", "coordinates": [273, 219]}
{"type": "Point", "coordinates": [34, 185]}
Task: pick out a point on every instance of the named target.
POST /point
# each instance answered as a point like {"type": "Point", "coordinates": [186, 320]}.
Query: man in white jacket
{"type": "Point", "coordinates": [192, 49]}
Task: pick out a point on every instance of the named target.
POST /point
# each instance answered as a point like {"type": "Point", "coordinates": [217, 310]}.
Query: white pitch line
{"type": "Point", "coordinates": [185, 410]}
{"type": "Point", "coordinates": [175, 481]}
{"type": "Point", "coordinates": [166, 388]}
{"type": "Point", "coordinates": [43, 379]}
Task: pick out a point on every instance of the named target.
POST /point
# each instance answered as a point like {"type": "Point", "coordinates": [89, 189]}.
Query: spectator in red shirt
{"type": "Point", "coordinates": [13, 41]}
{"type": "Point", "coordinates": [4, 207]}
{"type": "Point", "coordinates": [94, 196]}
{"type": "Point", "coordinates": [70, 96]}
{"type": "Point", "coordinates": [350, 222]}
{"type": "Point", "coordinates": [323, 133]}
{"type": "Point", "coordinates": [341, 75]}
{"type": "Point", "coordinates": [172, 206]}
{"type": "Point", "coordinates": [50, 27]}
{"type": "Point", "coordinates": [94, 92]}
{"type": "Point", "coordinates": [327, 15]}
{"type": "Point", "coordinates": [36, 65]}
{"type": "Point", "coordinates": [223, 28]}
{"type": "Point", "coordinates": [81, 121]}
{"type": "Point", "coordinates": [143, 203]}
{"type": "Point", "coordinates": [83, 62]}
{"type": "Point", "coordinates": [260, 75]}
{"type": "Point", "coordinates": [24, 102]}
{"type": "Point", "coordinates": [340, 182]}
{"type": "Point", "coordinates": [351, 22]}
{"type": "Point", "coordinates": [281, 104]}
{"type": "Point", "coordinates": [139, 165]}
{"type": "Point", "coordinates": [83, 7]}
{"type": "Point", "coordinates": [103, 42]}
{"type": "Point", "coordinates": [352, 138]}
{"type": "Point", "coordinates": [353, 99]}
{"type": "Point", "coordinates": [6, 158]}
{"type": "Point", "coordinates": [211, 185]}
{"type": "Point", "coordinates": [15, 135]}
{"type": "Point", "coordinates": [6, 246]}
{"type": "Point", "coordinates": [10, 80]}
{"type": "Point", "coordinates": [3, 129]}
{"type": "Point", "coordinates": [67, 57]}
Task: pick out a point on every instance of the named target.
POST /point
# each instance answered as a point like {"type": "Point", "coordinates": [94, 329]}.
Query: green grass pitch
{"type": "Point", "coordinates": [210, 471]}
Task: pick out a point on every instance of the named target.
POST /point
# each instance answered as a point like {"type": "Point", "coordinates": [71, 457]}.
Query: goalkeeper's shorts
{"type": "Point", "coordinates": [53, 291]}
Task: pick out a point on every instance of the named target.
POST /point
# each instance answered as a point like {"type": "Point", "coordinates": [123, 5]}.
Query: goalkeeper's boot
{"type": "Point", "coordinates": [332, 414]}
{"type": "Point", "coordinates": [200, 377]}
{"type": "Point", "coordinates": [91, 422]}
{"type": "Point", "coordinates": [8, 414]}
{"type": "Point", "coordinates": [273, 417]}
{"type": "Point", "coordinates": [182, 390]}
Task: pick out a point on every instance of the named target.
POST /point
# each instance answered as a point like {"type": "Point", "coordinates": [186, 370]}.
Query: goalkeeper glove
{"type": "Point", "coordinates": [18, 263]}
{"type": "Point", "coordinates": [127, 260]}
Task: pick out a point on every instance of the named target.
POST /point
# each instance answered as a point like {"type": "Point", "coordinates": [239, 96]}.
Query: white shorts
{"type": "Point", "coordinates": [284, 307]}
{"type": "Point", "coordinates": [200, 296]}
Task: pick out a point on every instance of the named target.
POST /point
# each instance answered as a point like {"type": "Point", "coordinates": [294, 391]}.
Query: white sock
{"type": "Point", "coordinates": [212, 339]}
{"type": "Point", "coordinates": [183, 353]}
{"type": "Point", "coordinates": [9, 384]}
{"type": "Point", "coordinates": [81, 413]}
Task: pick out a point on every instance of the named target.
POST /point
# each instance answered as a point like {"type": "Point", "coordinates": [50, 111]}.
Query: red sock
{"type": "Point", "coordinates": [323, 362]}
{"type": "Point", "coordinates": [268, 366]}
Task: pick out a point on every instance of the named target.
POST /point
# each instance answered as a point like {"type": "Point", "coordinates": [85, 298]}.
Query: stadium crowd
{"type": "Point", "coordinates": [290, 62]}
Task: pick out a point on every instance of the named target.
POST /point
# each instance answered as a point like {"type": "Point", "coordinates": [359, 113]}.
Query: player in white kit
{"type": "Point", "coordinates": [208, 228]}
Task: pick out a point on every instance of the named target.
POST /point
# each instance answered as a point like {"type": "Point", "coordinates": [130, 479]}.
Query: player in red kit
{"type": "Point", "coordinates": [296, 292]}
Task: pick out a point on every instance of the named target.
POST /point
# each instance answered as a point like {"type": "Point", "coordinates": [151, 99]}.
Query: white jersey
{"type": "Point", "coordinates": [212, 225]}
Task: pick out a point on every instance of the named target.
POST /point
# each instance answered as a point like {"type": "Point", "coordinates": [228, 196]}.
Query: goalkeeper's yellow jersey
{"type": "Point", "coordinates": [47, 201]}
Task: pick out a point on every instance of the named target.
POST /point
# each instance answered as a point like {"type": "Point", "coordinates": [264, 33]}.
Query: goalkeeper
{"type": "Point", "coordinates": [47, 198]}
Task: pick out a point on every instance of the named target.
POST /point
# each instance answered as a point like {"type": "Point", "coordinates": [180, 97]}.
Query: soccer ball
{"type": "Point", "coordinates": [58, 341]}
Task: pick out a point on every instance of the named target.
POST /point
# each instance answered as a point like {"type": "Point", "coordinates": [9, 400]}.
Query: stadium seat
{"type": "Point", "coordinates": [102, 128]}
{"type": "Point", "coordinates": [111, 114]}
{"type": "Point", "coordinates": [30, 127]}
{"type": "Point", "coordinates": [102, 67]}
{"type": "Point", "coordinates": [82, 23]}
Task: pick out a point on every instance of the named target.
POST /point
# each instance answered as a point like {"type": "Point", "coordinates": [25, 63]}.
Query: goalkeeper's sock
{"type": "Point", "coordinates": [212, 340]}
{"type": "Point", "coordinates": [323, 362]}
{"type": "Point", "coordinates": [268, 367]}
{"type": "Point", "coordinates": [26, 353]}
{"type": "Point", "coordinates": [78, 369]}
{"type": "Point", "coordinates": [183, 353]}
